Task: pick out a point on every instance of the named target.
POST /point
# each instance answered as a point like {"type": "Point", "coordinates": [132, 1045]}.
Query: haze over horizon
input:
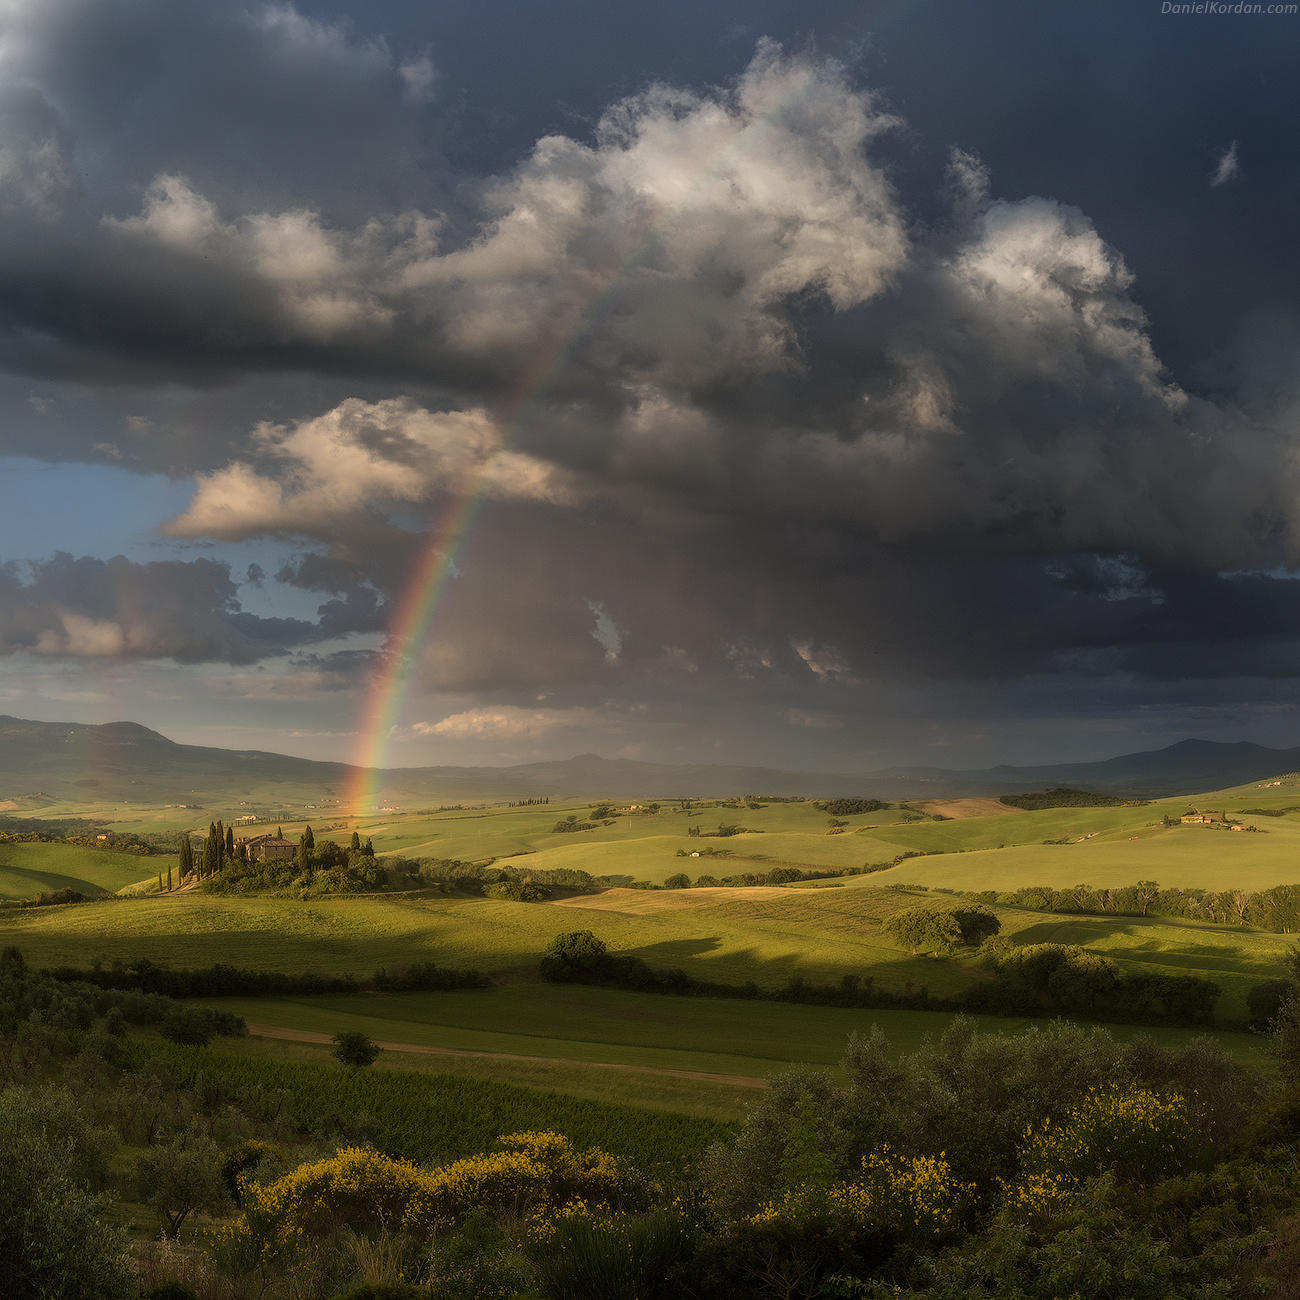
{"type": "Point", "coordinates": [827, 387]}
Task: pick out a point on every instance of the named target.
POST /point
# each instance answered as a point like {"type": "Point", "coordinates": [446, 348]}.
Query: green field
{"type": "Point", "coordinates": [1106, 846]}
{"type": "Point", "coordinates": [593, 1043]}
{"type": "Point", "coordinates": [767, 935]}
{"type": "Point", "coordinates": [27, 869]}
{"type": "Point", "coordinates": [594, 1027]}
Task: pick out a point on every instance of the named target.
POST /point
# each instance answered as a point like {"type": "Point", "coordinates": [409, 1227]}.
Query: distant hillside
{"type": "Point", "coordinates": [123, 761]}
{"type": "Point", "coordinates": [1187, 767]}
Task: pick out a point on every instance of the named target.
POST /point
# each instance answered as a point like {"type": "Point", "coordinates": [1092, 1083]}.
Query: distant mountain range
{"type": "Point", "coordinates": [123, 761]}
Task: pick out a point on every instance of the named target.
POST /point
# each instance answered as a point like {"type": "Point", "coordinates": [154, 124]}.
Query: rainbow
{"type": "Point", "coordinates": [417, 606]}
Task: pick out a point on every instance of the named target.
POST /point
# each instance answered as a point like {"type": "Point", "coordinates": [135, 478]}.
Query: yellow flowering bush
{"type": "Point", "coordinates": [532, 1169]}
{"type": "Point", "coordinates": [1134, 1131]}
{"type": "Point", "coordinates": [914, 1196]}
{"type": "Point", "coordinates": [911, 1197]}
{"type": "Point", "coordinates": [360, 1188]}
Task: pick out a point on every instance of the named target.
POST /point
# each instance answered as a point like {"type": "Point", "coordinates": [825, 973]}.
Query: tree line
{"type": "Point", "coordinates": [1276, 909]}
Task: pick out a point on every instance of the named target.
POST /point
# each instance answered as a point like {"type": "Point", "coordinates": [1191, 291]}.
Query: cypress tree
{"type": "Point", "coordinates": [308, 838]}
{"type": "Point", "coordinates": [169, 879]}
{"type": "Point", "coordinates": [356, 840]}
{"type": "Point", "coordinates": [211, 853]}
{"type": "Point", "coordinates": [279, 832]}
{"type": "Point", "coordinates": [370, 847]}
{"type": "Point", "coordinates": [230, 841]}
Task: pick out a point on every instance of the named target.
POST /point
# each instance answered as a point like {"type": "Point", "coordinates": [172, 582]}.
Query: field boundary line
{"type": "Point", "coordinates": [258, 1030]}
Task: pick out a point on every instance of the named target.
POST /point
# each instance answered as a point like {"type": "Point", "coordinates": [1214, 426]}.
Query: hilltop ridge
{"type": "Point", "coordinates": [129, 761]}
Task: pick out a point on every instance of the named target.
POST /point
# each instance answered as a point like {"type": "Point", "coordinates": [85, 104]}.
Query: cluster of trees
{"type": "Point", "coordinates": [782, 873]}
{"type": "Point", "coordinates": [315, 869]}
{"type": "Point", "coordinates": [500, 880]}
{"type": "Point", "coordinates": [78, 831]}
{"type": "Point", "coordinates": [220, 980]}
{"type": "Point", "coordinates": [1065, 797]}
{"type": "Point", "coordinates": [941, 931]}
{"type": "Point", "coordinates": [1070, 979]}
{"type": "Point", "coordinates": [572, 823]}
{"type": "Point", "coordinates": [1276, 909]}
{"type": "Point", "coordinates": [849, 807]}
{"type": "Point", "coordinates": [1041, 980]}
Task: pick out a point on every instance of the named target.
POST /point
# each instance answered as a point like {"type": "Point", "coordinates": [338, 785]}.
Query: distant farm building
{"type": "Point", "coordinates": [1205, 817]}
{"type": "Point", "coordinates": [266, 848]}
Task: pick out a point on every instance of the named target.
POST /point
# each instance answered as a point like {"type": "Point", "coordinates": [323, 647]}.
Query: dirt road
{"type": "Point", "coordinates": [311, 1036]}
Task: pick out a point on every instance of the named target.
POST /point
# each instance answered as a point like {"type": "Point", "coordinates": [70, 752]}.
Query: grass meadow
{"type": "Point", "coordinates": [693, 1056]}
{"type": "Point", "coordinates": [28, 869]}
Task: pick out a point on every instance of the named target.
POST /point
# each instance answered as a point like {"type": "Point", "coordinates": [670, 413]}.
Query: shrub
{"type": "Point", "coordinates": [188, 1026]}
{"type": "Point", "coordinates": [361, 1189]}
{"type": "Point", "coordinates": [180, 1176]}
{"type": "Point", "coordinates": [577, 955]}
{"type": "Point", "coordinates": [1138, 1133]}
{"type": "Point", "coordinates": [54, 1241]}
{"type": "Point", "coordinates": [171, 1291]}
{"type": "Point", "coordinates": [1264, 1001]}
{"type": "Point", "coordinates": [352, 1047]}
{"type": "Point", "coordinates": [581, 1253]}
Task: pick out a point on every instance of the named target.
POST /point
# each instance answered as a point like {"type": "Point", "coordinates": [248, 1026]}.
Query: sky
{"type": "Point", "coordinates": [826, 386]}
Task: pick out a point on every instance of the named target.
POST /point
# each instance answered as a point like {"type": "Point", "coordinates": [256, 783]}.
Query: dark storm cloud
{"type": "Point", "coordinates": [794, 417]}
{"type": "Point", "coordinates": [116, 609]}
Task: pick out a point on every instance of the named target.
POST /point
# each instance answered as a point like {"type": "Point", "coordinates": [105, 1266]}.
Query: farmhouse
{"type": "Point", "coordinates": [1204, 817]}
{"type": "Point", "coordinates": [266, 848]}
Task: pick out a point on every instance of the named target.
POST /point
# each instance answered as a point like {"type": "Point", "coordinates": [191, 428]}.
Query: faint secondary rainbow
{"type": "Point", "coordinates": [418, 605]}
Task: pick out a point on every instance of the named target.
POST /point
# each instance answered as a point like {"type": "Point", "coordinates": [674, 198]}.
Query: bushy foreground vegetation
{"type": "Point", "coordinates": [1058, 1162]}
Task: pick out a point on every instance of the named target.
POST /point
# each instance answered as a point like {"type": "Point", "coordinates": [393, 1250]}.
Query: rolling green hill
{"type": "Point", "coordinates": [28, 869]}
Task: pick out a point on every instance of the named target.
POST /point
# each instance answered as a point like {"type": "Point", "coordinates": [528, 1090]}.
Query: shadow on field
{"type": "Point", "coordinates": [1144, 946]}
{"type": "Point", "coordinates": [670, 951]}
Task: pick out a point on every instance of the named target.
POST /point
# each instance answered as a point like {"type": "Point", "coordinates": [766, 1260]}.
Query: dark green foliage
{"type": "Point", "coordinates": [1264, 1001]}
{"type": "Point", "coordinates": [221, 981]}
{"type": "Point", "coordinates": [520, 891]}
{"type": "Point", "coordinates": [574, 956]}
{"type": "Point", "coordinates": [188, 1025]}
{"type": "Point", "coordinates": [179, 1176]}
{"type": "Point", "coordinates": [1071, 979]}
{"type": "Point", "coordinates": [352, 1047]}
{"type": "Point", "coordinates": [54, 1241]}
{"type": "Point", "coordinates": [784, 875]}
{"type": "Point", "coordinates": [476, 1262]}
{"type": "Point", "coordinates": [976, 923]}
{"type": "Point", "coordinates": [68, 1007]}
{"type": "Point", "coordinates": [849, 807]}
{"type": "Point", "coordinates": [630, 1258]}
{"type": "Point", "coordinates": [678, 881]}
{"type": "Point", "coordinates": [1064, 797]}
{"type": "Point", "coordinates": [171, 1291]}
{"type": "Point", "coordinates": [240, 1162]}
{"type": "Point", "coordinates": [385, 1291]}
{"type": "Point", "coordinates": [924, 930]}
{"type": "Point", "coordinates": [968, 1095]}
